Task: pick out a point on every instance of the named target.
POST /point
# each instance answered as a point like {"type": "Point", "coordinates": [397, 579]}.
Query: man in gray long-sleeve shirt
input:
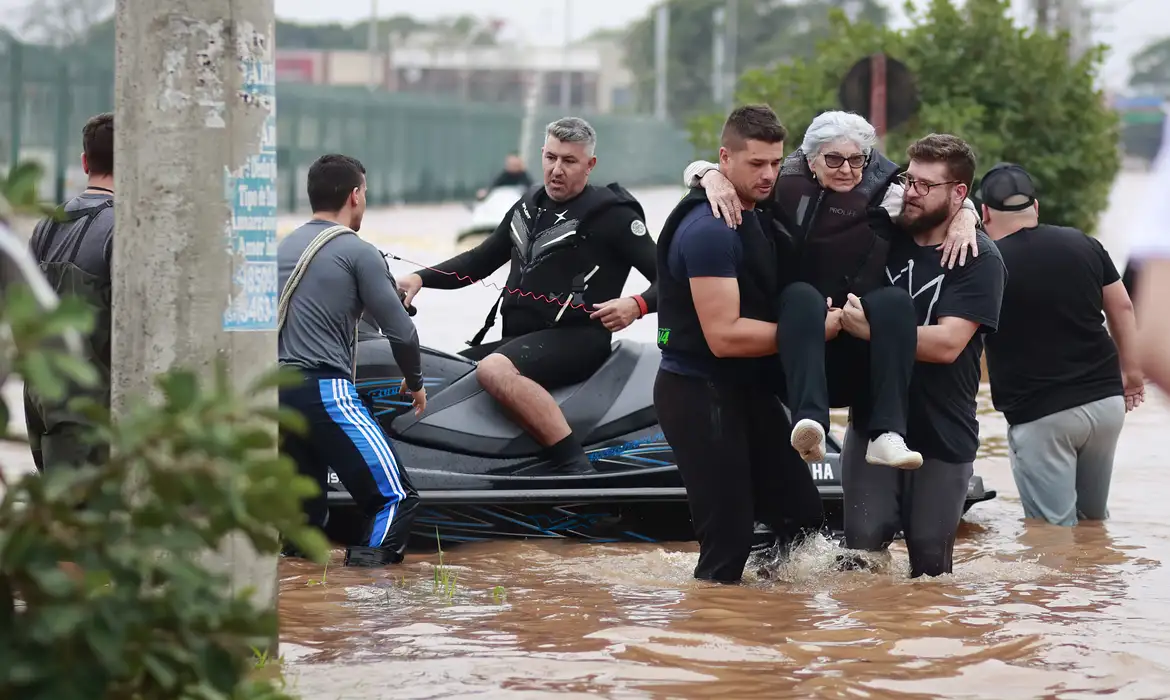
{"type": "Point", "coordinates": [345, 279]}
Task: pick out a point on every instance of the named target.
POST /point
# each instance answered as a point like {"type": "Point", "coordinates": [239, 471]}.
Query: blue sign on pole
{"type": "Point", "coordinates": [252, 194]}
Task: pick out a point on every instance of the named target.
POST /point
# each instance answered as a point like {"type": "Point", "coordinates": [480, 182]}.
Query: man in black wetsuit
{"type": "Point", "coordinates": [571, 246]}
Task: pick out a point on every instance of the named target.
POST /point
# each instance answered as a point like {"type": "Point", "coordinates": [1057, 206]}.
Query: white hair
{"type": "Point", "coordinates": [834, 126]}
{"type": "Point", "coordinates": [573, 130]}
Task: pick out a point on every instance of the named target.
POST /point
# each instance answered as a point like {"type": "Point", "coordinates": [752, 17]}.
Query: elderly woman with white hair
{"type": "Point", "coordinates": [838, 198]}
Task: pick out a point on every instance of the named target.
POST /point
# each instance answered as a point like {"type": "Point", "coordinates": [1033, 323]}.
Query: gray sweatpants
{"type": "Point", "coordinates": [926, 504]}
{"type": "Point", "coordinates": [1063, 463]}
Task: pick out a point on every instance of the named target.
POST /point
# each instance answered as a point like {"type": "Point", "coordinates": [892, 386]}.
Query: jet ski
{"type": "Point", "coordinates": [487, 213]}
{"type": "Point", "coordinates": [480, 476]}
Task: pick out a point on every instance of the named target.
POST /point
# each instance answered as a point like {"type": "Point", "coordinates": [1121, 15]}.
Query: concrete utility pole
{"type": "Point", "coordinates": [194, 267]}
{"type": "Point", "coordinates": [661, 57]}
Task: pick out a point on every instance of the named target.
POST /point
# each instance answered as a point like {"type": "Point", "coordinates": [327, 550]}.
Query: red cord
{"type": "Point", "coordinates": [506, 289]}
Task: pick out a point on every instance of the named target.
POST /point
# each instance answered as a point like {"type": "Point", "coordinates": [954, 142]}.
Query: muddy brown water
{"type": "Point", "coordinates": [1032, 611]}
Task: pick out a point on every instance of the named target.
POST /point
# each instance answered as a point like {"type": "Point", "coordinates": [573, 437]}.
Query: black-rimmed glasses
{"type": "Point", "coordinates": [836, 160]}
{"type": "Point", "coordinates": [922, 188]}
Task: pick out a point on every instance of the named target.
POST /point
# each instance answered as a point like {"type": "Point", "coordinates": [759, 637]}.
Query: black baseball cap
{"type": "Point", "coordinates": [1007, 187]}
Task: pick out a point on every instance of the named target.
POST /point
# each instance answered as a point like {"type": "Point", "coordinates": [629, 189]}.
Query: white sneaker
{"type": "Point", "coordinates": [808, 438]}
{"type": "Point", "coordinates": [889, 449]}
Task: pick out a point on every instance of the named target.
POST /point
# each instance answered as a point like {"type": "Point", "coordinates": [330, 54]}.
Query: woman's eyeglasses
{"type": "Point", "coordinates": [836, 160]}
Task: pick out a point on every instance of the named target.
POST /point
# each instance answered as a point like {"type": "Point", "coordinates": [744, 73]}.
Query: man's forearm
{"type": "Point", "coordinates": [472, 265]}
{"type": "Point", "coordinates": [937, 344]}
{"type": "Point", "coordinates": [745, 337]}
{"type": "Point", "coordinates": [694, 172]}
{"type": "Point", "coordinates": [650, 298]}
{"type": "Point", "coordinates": [1123, 328]}
{"type": "Point", "coordinates": [408, 357]}
{"type": "Point", "coordinates": [1153, 322]}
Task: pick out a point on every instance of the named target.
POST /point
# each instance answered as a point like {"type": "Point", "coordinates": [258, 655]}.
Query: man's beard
{"type": "Point", "coordinates": [924, 222]}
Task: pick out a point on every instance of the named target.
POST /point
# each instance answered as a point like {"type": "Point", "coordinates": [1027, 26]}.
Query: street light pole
{"type": "Point", "coordinates": [566, 81]}
{"type": "Point", "coordinates": [661, 55]}
{"type": "Point", "coordinates": [372, 44]}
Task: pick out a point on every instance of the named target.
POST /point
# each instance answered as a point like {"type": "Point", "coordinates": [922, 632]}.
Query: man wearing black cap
{"type": "Point", "coordinates": [1063, 384]}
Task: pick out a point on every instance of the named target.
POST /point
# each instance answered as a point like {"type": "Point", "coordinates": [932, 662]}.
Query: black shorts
{"type": "Point", "coordinates": [552, 357]}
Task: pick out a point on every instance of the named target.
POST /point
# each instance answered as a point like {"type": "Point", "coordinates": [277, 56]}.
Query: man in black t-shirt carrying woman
{"type": "Point", "coordinates": [954, 308]}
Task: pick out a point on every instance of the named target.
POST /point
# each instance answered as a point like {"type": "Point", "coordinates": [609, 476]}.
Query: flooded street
{"type": "Point", "coordinates": [1033, 611]}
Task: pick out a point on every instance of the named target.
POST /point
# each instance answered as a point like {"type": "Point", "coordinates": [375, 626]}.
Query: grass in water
{"type": "Point", "coordinates": [444, 579]}
{"type": "Point", "coordinates": [267, 667]}
{"type": "Point", "coordinates": [324, 577]}
{"type": "Point", "coordinates": [499, 595]}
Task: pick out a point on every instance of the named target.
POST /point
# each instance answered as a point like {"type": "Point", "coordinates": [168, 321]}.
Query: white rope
{"type": "Point", "coordinates": [299, 272]}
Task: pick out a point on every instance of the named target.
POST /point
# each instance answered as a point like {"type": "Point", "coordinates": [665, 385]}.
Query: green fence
{"type": "Point", "coordinates": [415, 148]}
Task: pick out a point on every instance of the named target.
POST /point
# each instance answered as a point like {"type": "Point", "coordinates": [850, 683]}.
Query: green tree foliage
{"type": "Point", "coordinates": [20, 188]}
{"type": "Point", "coordinates": [1151, 67]}
{"type": "Point", "coordinates": [768, 32]}
{"type": "Point", "coordinates": [1011, 93]}
{"type": "Point", "coordinates": [102, 591]}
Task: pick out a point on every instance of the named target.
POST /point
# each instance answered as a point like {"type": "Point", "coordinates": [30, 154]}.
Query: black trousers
{"type": "Point", "coordinates": [343, 435]}
{"type": "Point", "coordinates": [926, 504]}
{"type": "Point", "coordinates": [731, 446]}
{"type": "Point", "coordinates": [873, 378]}
{"type": "Point", "coordinates": [61, 439]}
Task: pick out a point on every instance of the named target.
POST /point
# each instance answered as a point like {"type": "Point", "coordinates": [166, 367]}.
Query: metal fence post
{"type": "Point", "coordinates": [16, 94]}
{"type": "Point", "coordinates": [64, 109]}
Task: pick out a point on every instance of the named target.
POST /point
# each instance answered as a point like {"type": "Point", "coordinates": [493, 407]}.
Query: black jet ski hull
{"type": "Point", "coordinates": [623, 515]}
{"type": "Point", "coordinates": [648, 505]}
{"type": "Point", "coordinates": [481, 478]}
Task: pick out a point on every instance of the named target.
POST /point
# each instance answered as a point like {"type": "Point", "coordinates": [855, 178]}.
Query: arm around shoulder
{"type": "Point", "coordinates": [968, 304]}
{"type": "Point", "coordinates": [693, 173]}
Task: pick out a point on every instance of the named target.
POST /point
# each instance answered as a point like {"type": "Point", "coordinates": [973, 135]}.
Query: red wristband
{"type": "Point", "coordinates": [641, 305]}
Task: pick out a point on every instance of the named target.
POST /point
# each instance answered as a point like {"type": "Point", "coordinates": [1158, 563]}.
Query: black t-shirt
{"type": "Point", "coordinates": [942, 423]}
{"type": "Point", "coordinates": [1052, 351]}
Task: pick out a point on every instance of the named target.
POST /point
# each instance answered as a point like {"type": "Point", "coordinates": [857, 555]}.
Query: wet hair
{"type": "Point", "coordinates": [97, 141]}
{"type": "Point", "coordinates": [573, 130]}
{"type": "Point", "coordinates": [832, 126]}
{"type": "Point", "coordinates": [752, 123]}
{"type": "Point", "coordinates": [948, 149]}
{"type": "Point", "coordinates": [331, 178]}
